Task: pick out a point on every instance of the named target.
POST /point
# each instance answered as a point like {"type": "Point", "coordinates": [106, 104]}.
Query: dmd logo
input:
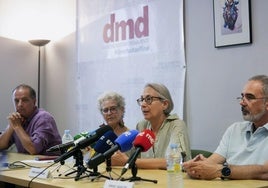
{"type": "Point", "coordinates": [117, 30]}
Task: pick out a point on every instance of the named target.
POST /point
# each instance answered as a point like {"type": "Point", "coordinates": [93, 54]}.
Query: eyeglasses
{"type": "Point", "coordinates": [112, 110]}
{"type": "Point", "coordinates": [148, 99]}
{"type": "Point", "coordinates": [249, 97]}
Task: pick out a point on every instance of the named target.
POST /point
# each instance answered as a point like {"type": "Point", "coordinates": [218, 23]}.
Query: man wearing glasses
{"type": "Point", "coordinates": [243, 150]}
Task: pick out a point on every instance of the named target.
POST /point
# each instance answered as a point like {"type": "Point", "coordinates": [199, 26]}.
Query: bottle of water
{"type": "Point", "coordinates": [174, 170]}
{"type": "Point", "coordinates": [67, 137]}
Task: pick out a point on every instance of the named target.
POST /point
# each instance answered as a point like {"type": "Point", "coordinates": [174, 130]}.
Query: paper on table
{"type": "Point", "coordinates": [37, 161]}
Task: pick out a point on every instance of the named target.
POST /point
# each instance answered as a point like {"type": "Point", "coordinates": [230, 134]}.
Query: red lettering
{"type": "Point", "coordinates": [123, 30]}
{"type": "Point", "coordinates": [144, 21]}
{"type": "Point", "coordinates": [108, 31]}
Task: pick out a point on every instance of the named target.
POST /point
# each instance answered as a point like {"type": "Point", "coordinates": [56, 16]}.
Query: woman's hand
{"type": "Point", "coordinates": [119, 159]}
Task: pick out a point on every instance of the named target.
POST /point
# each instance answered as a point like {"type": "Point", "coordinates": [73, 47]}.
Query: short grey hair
{"type": "Point", "coordinates": [264, 80]}
{"type": "Point", "coordinates": [111, 95]}
{"type": "Point", "coordinates": [25, 86]}
{"type": "Point", "coordinates": [164, 93]}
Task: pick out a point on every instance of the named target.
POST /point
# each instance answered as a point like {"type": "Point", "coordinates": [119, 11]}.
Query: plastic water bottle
{"type": "Point", "coordinates": [174, 170]}
{"type": "Point", "coordinates": [67, 137]}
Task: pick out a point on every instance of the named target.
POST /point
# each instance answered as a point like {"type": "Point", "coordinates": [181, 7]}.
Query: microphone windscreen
{"type": "Point", "coordinates": [93, 137]}
{"type": "Point", "coordinates": [105, 142]}
{"type": "Point", "coordinates": [126, 139]}
{"type": "Point", "coordinates": [81, 134]}
{"type": "Point", "coordinates": [145, 140]}
{"type": "Point", "coordinates": [102, 130]}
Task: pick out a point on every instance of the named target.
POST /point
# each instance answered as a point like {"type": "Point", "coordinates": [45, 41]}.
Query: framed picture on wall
{"type": "Point", "coordinates": [232, 22]}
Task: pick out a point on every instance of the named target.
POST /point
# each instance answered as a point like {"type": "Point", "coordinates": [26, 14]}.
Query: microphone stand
{"type": "Point", "coordinates": [134, 171]}
{"type": "Point", "coordinates": [108, 169]}
{"type": "Point", "coordinates": [95, 174]}
{"type": "Point", "coordinates": [79, 163]}
{"type": "Point", "coordinates": [62, 162]}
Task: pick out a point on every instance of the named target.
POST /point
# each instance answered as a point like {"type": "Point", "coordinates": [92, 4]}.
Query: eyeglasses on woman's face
{"type": "Point", "coordinates": [148, 99]}
{"type": "Point", "coordinates": [112, 110]}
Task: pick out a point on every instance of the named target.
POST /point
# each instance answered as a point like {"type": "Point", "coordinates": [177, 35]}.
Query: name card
{"type": "Point", "coordinates": [37, 171]}
{"type": "Point", "coordinates": [118, 184]}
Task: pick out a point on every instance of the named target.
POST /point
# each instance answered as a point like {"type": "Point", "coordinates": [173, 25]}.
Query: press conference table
{"type": "Point", "coordinates": [21, 177]}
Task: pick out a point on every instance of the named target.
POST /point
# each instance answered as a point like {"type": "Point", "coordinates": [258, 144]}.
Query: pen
{"type": "Point", "coordinates": [44, 158]}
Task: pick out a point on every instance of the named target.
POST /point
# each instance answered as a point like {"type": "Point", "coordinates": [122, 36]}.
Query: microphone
{"type": "Point", "coordinates": [66, 146]}
{"type": "Point", "coordinates": [122, 143]}
{"type": "Point", "coordinates": [91, 138]}
{"type": "Point", "coordinates": [105, 142]}
{"type": "Point", "coordinates": [143, 142]}
{"type": "Point", "coordinates": [81, 134]}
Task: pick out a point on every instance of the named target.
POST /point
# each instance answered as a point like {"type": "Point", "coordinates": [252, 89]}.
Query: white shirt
{"type": "Point", "coordinates": [240, 146]}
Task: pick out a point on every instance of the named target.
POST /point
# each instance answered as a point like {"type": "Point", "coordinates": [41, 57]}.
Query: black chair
{"type": "Point", "coordinates": [195, 152]}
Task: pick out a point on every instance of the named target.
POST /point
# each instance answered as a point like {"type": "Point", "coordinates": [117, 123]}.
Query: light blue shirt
{"type": "Point", "coordinates": [240, 146]}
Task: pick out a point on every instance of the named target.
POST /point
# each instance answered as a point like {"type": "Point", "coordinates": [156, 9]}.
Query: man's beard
{"type": "Point", "coordinates": [252, 118]}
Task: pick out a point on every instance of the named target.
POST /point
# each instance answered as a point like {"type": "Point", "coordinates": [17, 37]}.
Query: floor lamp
{"type": "Point", "coordinates": [39, 43]}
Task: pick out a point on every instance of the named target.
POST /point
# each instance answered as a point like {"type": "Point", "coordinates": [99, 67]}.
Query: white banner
{"type": "Point", "coordinates": [122, 45]}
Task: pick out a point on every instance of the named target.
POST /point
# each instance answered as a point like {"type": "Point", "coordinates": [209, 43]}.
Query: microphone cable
{"type": "Point", "coordinates": [29, 183]}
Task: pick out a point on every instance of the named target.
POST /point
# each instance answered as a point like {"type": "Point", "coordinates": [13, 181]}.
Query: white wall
{"type": "Point", "coordinates": [60, 87]}
{"type": "Point", "coordinates": [18, 64]}
{"type": "Point", "coordinates": [18, 60]}
{"type": "Point", "coordinates": [215, 77]}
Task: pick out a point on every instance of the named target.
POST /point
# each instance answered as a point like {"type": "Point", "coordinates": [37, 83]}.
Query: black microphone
{"type": "Point", "coordinates": [142, 143]}
{"type": "Point", "coordinates": [122, 143]}
{"type": "Point", "coordinates": [66, 146]}
{"type": "Point", "coordinates": [93, 137]}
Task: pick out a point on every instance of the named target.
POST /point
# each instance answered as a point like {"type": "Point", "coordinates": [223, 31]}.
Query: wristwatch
{"type": "Point", "coordinates": [225, 171]}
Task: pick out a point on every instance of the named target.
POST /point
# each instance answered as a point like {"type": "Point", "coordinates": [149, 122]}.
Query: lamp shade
{"type": "Point", "coordinates": [39, 42]}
